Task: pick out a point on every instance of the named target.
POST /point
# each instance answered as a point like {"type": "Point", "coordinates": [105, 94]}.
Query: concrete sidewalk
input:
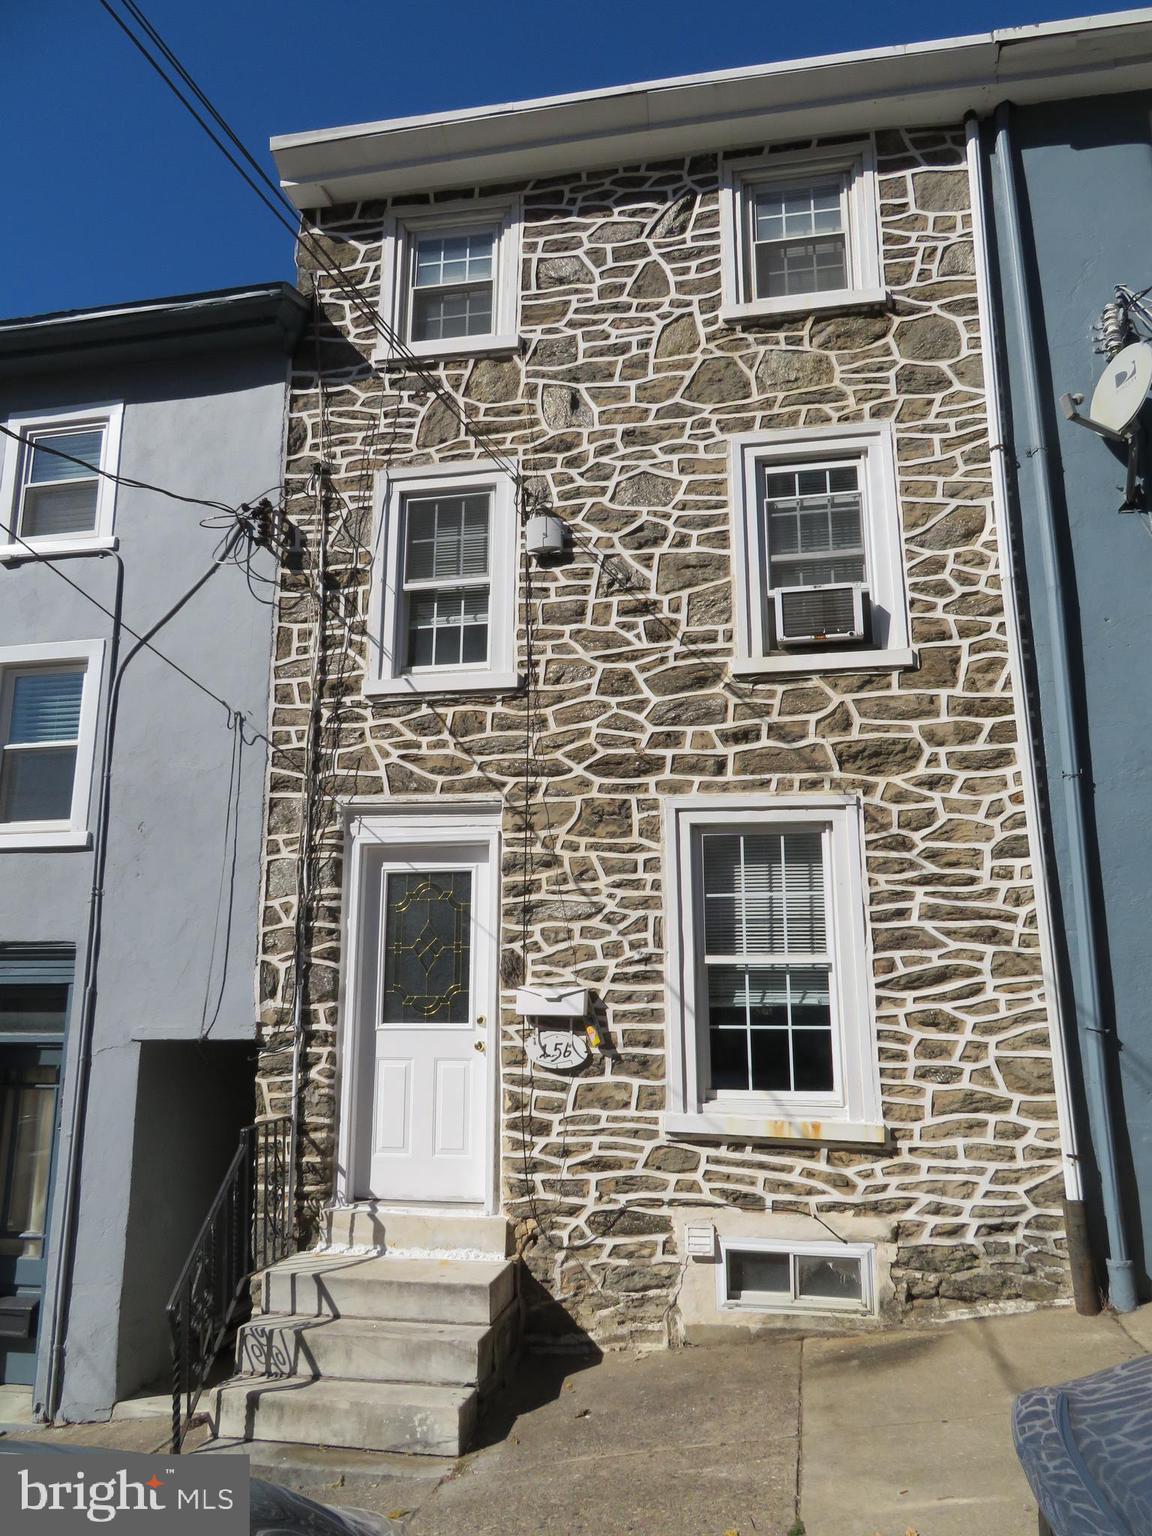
{"type": "Point", "coordinates": [866, 1435]}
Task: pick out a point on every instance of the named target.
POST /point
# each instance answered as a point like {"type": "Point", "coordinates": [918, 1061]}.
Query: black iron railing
{"type": "Point", "coordinates": [248, 1227]}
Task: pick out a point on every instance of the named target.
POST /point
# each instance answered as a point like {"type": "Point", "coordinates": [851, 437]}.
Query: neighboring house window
{"type": "Point", "coordinates": [48, 703]}
{"type": "Point", "coordinates": [768, 970]}
{"type": "Point", "coordinates": [819, 565]}
{"type": "Point", "coordinates": [444, 581]}
{"type": "Point", "coordinates": [55, 490]}
{"type": "Point", "coordinates": [800, 232]}
{"type": "Point", "coordinates": [450, 283]}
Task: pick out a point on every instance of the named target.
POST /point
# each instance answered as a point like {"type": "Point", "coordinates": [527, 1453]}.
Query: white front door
{"type": "Point", "coordinates": [430, 998]}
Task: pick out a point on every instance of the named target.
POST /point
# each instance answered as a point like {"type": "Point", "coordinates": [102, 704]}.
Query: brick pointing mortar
{"type": "Point", "coordinates": [619, 406]}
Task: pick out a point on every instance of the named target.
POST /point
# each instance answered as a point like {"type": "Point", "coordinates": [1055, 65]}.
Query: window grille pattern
{"type": "Point", "coordinates": [814, 524]}
{"type": "Point", "coordinates": [453, 285]}
{"type": "Point", "coordinates": [768, 962]}
{"type": "Point", "coordinates": [799, 239]}
{"type": "Point", "coordinates": [446, 579]}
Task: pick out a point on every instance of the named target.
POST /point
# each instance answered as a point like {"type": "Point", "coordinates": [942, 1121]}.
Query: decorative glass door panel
{"type": "Point", "coordinates": [428, 1122]}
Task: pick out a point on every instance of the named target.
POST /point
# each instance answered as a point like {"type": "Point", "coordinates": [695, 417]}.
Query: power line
{"type": "Point", "coordinates": [277, 202]}
{"type": "Point", "coordinates": [124, 480]}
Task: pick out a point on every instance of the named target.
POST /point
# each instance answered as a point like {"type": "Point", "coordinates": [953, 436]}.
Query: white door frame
{"type": "Point", "coordinates": [373, 825]}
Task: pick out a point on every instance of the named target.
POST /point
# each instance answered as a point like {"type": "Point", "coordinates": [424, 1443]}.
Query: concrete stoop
{"type": "Point", "coordinates": [383, 1351]}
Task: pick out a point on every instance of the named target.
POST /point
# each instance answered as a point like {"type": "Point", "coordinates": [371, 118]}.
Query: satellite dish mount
{"type": "Point", "coordinates": [1115, 411]}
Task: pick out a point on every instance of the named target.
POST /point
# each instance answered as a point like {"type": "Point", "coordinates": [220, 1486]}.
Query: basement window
{"type": "Point", "coordinates": [450, 282]}
{"type": "Point", "coordinates": [813, 1277]}
{"type": "Point", "coordinates": [56, 496]}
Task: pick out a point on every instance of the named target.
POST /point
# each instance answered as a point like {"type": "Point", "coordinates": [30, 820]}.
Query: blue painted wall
{"type": "Point", "coordinates": [172, 1053]}
{"type": "Point", "coordinates": [1086, 206]}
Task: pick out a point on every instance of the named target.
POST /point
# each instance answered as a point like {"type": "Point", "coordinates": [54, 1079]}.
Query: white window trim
{"type": "Point", "coordinates": [373, 826]}
{"type": "Point", "coordinates": [74, 832]}
{"type": "Point", "coordinates": [399, 230]}
{"type": "Point", "coordinates": [865, 1252]}
{"type": "Point", "coordinates": [387, 676]}
{"type": "Point", "coordinates": [110, 416]}
{"type": "Point", "coordinates": [854, 1113]}
{"type": "Point", "coordinates": [873, 443]}
{"type": "Point", "coordinates": [738, 174]}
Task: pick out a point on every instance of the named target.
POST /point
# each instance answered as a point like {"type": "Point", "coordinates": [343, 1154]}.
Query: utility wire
{"type": "Point", "coordinates": [263, 185]}
{"type": "Point", "coordinates": [124, 480]}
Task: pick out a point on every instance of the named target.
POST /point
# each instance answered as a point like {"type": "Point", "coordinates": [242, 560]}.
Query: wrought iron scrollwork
{"type": "Point", "coordinates": [248, 1227]}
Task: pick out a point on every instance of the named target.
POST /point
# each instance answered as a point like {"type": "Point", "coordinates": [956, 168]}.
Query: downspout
{"type": "Point", "coordinates": [1032, 454]}
{"type": "Point", "coordinates": [65, 1265]}
{"type": "Point", "coordinates": [1084, 1287]}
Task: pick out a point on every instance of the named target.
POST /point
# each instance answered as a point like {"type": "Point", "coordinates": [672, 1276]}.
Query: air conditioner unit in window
{"type": "Point", "coordinates": [834, 614]}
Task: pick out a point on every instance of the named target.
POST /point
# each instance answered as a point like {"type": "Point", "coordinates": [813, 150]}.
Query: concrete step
{"type": "Point", "coordinates": [368, 1225]}
{"type": "Point", "coordinates": [363, 1349]}
{"type": "Point", "coordinates": [409, 1418]}
{"type": "Point", "coordinates": [410, 1290]}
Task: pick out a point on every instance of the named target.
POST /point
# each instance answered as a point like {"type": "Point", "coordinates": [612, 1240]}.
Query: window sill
{"type": "Point", "coordinates": [44, 549]}
{"type": "Point", "coordinates": [825, 661]}
{"type": "Point", "coordinates": [453, 346]}
{"type": "Point", "coordinates": [804, 304]}
{"type": "Point", "coordinates": [715, 1125]}
{"type": "Point", "coordinates": [443, 682]}
{"type": "Point", "coordinates": [15, 838]}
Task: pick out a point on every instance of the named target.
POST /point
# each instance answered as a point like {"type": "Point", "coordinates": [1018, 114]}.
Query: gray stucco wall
{"type": "Point", "coordinates": [181, 891]}
{"type": "Point", "coordinates": [1087, 207]}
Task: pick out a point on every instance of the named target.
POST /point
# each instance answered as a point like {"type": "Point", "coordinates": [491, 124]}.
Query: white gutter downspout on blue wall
{"type": "Point", "coordinates": [1031, 451]}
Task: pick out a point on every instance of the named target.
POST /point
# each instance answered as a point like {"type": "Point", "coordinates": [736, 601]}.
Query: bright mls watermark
{"type": "Point", "coordinates": [63, 1492]}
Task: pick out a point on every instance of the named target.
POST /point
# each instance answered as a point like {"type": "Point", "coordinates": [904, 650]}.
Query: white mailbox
{"type": "Point", "coordinates": [552, 1002]}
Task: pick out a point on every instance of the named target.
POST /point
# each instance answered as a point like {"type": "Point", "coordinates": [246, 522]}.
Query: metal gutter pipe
{"type": "Point", "coordinates": [1033, 457]}
{"type": "Point", "coordinates": [65, 1263]}
{"type": "Point", "coordinates": [1084, 1286]}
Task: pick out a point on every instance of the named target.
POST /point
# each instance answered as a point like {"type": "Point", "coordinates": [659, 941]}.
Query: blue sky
{"type": "Point", "coordinates": [118, 195]}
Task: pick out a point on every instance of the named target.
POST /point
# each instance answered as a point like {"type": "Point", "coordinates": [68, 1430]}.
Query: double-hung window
{"type": "Point", "coordinates": [56, 493]}
{"type": "Point", "coordinates": [819, 566]}
{"type": "Point", "coordinates": [769, 993]}
{"type": "Point", "coordinates": [450, 282]}
{"type": "Point", "coordinates": [447, 579]}
{"type": "Point", "coordinates": [47, 732]}
{"type": "Point", "coordinates": [800, 232]}
{"type": "Point", "coordinates": [444, 581]}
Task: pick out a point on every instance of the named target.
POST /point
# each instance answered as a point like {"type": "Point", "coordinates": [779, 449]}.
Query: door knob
{"type": "Point", "coordinates": [478, 1045]}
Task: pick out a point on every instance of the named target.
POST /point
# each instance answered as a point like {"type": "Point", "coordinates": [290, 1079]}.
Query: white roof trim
{"type": "Point", "coordinates": [919, 83]}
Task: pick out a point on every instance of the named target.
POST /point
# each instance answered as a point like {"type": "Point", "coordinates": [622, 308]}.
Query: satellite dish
{"type": "Point", "coordinates": [1122, 387]}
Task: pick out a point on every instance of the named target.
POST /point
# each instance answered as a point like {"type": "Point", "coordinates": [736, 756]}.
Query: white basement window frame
{"type": "Point", "coordinates": [404, 591]}
{"type": "Point", "coordinates": [868, 447]}
{"type": "Point", "coordinates": [22, 667]}
{"type": "Point", "coordinates": [846, 1108]}
{"type": "Point", "coordinates": [39, 489]}
{"type": "Point", "coordinates": [800, 1276]}
{"type": "Point", "coordinates": [800, 232]}
{"type": "Point", "coordinates": [455, 269]}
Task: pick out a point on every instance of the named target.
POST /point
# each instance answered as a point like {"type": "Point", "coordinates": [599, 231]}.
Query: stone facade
{"type": "Point", "coordinates": [619, 407]}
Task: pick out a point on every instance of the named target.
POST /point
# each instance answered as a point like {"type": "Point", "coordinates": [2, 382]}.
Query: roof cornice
{"type": "Point", "coordinates": [271, 316]}
{"type": "Point", "coordinates": [917, 84]}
